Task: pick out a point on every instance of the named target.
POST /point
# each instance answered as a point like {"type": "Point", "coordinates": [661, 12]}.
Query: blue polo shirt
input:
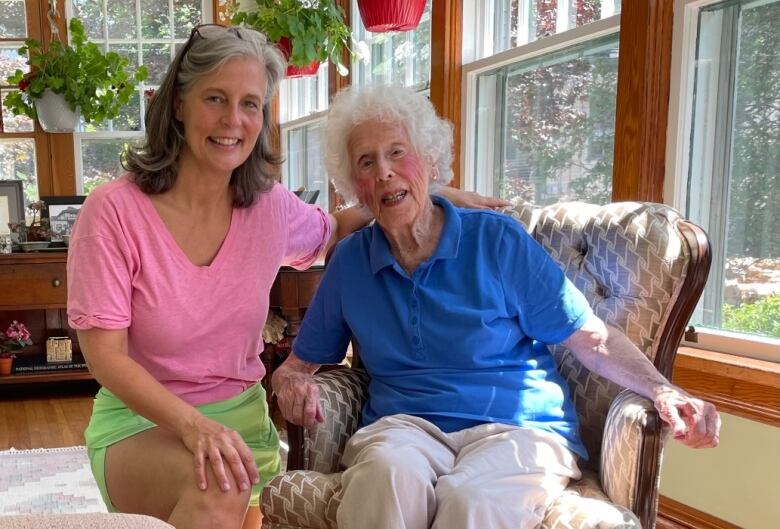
{"type": "Point", "coordinates": [460, 341]}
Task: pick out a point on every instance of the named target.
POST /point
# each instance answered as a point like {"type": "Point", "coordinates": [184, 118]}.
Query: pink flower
{"type": "Point", "coordinates": [15, 338]}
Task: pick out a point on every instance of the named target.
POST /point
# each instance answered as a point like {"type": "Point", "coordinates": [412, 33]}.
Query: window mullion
{"type": "Point", "coordinates": [524, 35]}
{"type": "Point", "coordinates": [498, 139]}
{"type": "Point", "coordinates": [562, 16]}
{"type": "Point", "coordinates": [712, 299]}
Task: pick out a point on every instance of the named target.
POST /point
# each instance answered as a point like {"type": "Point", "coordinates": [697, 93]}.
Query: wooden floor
{"type": "Point", "coordinates": [55, 415]}
{"type": "Point", "coordinates": [48, 416]}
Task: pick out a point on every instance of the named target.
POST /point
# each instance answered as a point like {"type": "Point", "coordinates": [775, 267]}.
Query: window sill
{"type": "Point", "coordinates": [741, 386]}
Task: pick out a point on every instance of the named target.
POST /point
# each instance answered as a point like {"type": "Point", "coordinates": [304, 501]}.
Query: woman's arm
{"type": "Point", "coordinates": [346, 221]}
{"type": "Point", "coordinates": [298, 395]}
{"type": "Point", "coordinates": [106, 354]}
{"type": "Point", "coordinates": [469, 199]}
{"type": "Point", "coordinates": [607, 351]}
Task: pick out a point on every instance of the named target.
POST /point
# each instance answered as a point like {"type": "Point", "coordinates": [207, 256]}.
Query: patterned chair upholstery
{"type": "Point", "coordinates": [642, 267]}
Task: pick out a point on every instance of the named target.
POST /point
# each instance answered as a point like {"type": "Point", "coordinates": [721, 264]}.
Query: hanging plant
{"type": "Point", "coordinates": [95, 83]}
{"type": "Point", "coordinates": [315, 30]}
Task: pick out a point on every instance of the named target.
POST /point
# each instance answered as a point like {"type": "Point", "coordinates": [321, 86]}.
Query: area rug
{"type": "Point", "coordinates": [44, 481]}
{"type": "Point", "coordinates": [56, 480]}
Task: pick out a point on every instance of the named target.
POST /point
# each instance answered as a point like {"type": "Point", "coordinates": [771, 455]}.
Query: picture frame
{"type": "Point", "coordinates": [308, 196]}
{"type": "Point", "coordinates": [11, 204]}
{"type": "Point", "coordinates": [61, 212]}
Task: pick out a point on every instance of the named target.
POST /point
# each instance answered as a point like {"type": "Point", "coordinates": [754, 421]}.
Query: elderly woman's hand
{"type": "Point", "coordinates": [468, 199]}
{"type": "Point", "coordinates": [694, 422]}
{"type": "Point", "coordinates": [297, 395]}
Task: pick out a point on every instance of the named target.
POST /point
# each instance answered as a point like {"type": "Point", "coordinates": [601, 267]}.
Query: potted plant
{"type": "Point", "coordinates": [38, 230]}
{"type": "Point", "coordinates": [13, 340]}
{"type": "Point", "coordinates": [307, 31]}
{"type": "Point", "coordinates": [65, 80]}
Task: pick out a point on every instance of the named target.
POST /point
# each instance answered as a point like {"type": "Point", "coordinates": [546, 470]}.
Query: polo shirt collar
{"type": "Point", "coordinates": [379, 252]}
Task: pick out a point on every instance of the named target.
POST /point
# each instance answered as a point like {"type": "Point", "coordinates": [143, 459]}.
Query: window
{"type": "Point", "coordinates": [302, 96]}
{"type": "Point", "coordinates": [542, 122]}
{"type": "Point", "coordinates": [17, 135]}
{"type": "Point", "coordinates": [302, 104]}
{"type": "Point", "coordinates": [304, 168]}
{"type": "Point", "coordinates": [728, 154]}
{"type": "Point", "coordinates": [397, 58]}
{"type": "Point", "coordinates": [394, 58]}
{"type": "Point", "coordinates": [500, 25]}
{"type": "Point", "coordinates": [147, 32]}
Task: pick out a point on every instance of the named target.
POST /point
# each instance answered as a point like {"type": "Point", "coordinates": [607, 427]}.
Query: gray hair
{"type": "Point", "coordinates": [429, 135]}
{"type": "Point", "coordinates": [154, 164]}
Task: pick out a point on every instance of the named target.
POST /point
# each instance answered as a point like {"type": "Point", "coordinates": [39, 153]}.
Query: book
{"type": "Point", "coordinates": [40, 368]}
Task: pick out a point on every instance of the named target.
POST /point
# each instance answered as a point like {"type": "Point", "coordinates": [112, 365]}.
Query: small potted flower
{"type": "Point", "coordinates": [67, 80]}
{"type": "Point", "coordinates": [307, 31]}
{"type": "Point", "coordinates": [12, 341]}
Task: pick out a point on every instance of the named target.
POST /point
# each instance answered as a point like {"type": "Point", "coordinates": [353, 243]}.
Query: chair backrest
{"type": "Point", "coordinates": [641, 266]}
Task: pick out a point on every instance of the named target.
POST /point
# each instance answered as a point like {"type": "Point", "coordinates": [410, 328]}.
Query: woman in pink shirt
{"type": "Point", "coordinates": [170, 270]}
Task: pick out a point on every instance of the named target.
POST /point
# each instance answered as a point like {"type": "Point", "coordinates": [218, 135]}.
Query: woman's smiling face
{"type": "Point", "coordinates": [222, 115]}
{"type": "Point", "coordinates": [392, 179]}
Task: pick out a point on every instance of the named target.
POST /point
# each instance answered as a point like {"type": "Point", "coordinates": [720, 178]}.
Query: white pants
{"type": "Point", "coordinates": [404, 473]}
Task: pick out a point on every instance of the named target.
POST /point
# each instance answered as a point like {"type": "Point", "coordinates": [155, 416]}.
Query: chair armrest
{"type": "Point", "coordinates": [302, 498]}
{"type": "Point", "coordinates": [631, 455]}
{"type": "Point", "coordinates": [319, 448]}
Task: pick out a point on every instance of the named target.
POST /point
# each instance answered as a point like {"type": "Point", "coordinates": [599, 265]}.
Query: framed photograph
{"type": "Point", "coordinates": [310, 197]}
{"type": "Point", "coordinates": [11, 204]}
{"type": "Point", "coordinates": [61, 212]}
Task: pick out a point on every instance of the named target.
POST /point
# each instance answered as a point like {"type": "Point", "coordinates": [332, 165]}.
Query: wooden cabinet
{"type": "Point", "coordinates": [34, 290]}
{"type": "Point", "coordinates": [33, 281]}
{"type": "Point", "coordinates": [292, 292]}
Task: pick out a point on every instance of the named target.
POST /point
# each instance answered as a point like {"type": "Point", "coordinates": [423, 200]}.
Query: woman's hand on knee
{"type": "Point", "coordinates": [212, 443]}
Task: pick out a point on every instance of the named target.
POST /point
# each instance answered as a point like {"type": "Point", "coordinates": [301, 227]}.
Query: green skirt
{"type": "Point", "coordinates": [246, 413]}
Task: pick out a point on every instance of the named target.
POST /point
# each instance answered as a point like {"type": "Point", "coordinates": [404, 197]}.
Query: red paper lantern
{"type": "Point", "coordinates": [296, 71]}
{"type": "Point", "coordinates": [380, 16]}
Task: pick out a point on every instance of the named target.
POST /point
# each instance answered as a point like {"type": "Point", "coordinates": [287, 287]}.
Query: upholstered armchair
{"type": "Point", "coordinates": [642, 267]}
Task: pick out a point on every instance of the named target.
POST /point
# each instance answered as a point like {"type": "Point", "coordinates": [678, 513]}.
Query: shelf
{"type": "Point", "coordinates": [47, 376]}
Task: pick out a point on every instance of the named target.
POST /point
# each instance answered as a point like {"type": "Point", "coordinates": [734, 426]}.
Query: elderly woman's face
{"type": "Point", "coordinates": [392, 179]}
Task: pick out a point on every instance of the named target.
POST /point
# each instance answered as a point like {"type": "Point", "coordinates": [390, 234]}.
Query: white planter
{"type": "Point", "coordinates": [54, 113]}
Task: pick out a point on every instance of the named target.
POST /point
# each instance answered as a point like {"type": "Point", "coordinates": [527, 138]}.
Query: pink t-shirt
{"type": "Point", "coordinates": [196, 329]}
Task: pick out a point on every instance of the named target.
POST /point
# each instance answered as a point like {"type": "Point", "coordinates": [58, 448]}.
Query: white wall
{"type": "Point", "coordinates": [739, 481]}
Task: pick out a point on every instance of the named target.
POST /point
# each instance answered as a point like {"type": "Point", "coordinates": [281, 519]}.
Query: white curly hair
{"type": "Point", "coordinates": [429, 135]}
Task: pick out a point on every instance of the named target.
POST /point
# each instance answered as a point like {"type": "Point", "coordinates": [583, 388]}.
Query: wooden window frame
{"type": "Point", "coordinates": [743, 387]}
{"type": "Point", "coordinates": [642, 98]}
{"type": "Point", "coordinates": [55, 156]}
{"type": "Point", "coordinates": [53, 152]}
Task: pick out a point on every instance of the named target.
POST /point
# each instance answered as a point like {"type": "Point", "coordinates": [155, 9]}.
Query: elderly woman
{"type": "Point", "coordinates": [468, 422]}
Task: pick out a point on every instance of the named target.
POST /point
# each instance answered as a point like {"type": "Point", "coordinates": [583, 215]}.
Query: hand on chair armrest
{"type": "Point", "coordinates": [342, 394]}
{"type": "Point", "coordinates": [630, 452]}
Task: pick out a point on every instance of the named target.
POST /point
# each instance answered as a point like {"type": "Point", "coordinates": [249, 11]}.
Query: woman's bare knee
{"type": "Point", "coordinates": [211, 508]}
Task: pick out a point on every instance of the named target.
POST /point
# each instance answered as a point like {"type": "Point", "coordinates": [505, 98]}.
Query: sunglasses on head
{"type": "Point", "coordinates": [201, 28]}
